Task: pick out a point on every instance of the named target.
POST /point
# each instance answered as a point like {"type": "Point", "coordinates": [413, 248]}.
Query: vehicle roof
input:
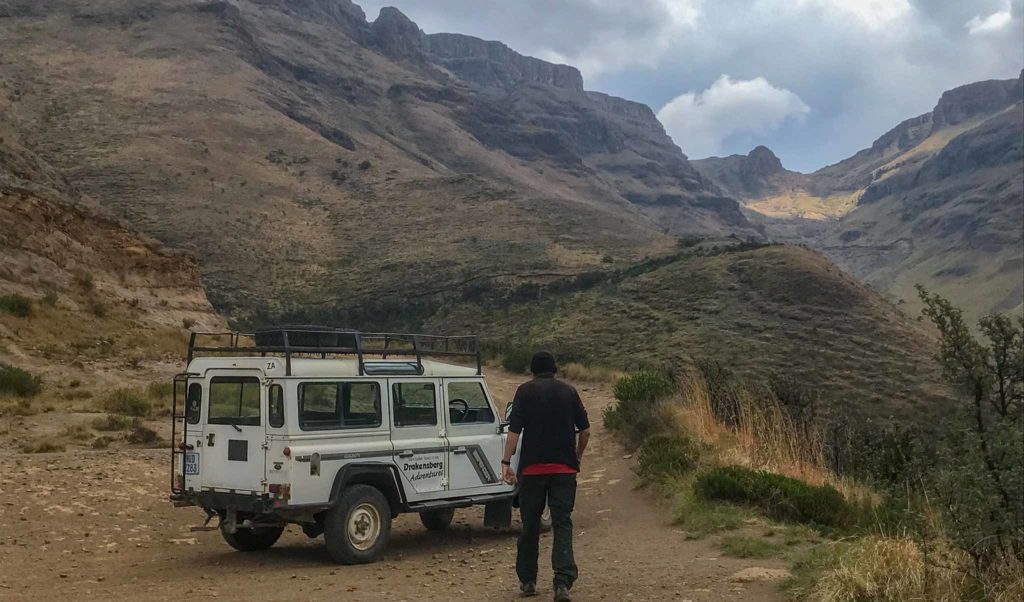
{"type": "Point", "coordinates": [326, 368]}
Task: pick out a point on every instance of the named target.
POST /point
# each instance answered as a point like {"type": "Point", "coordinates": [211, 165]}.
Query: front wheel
{"type": "Point", "coordinates": [358, 527]}
{"type": "Point", "coordinates": [251, 540]}
{"type": "Point", "coordinates": [437, 520]}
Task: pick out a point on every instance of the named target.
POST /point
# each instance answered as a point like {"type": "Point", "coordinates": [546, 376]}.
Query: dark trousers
{"type": "Point", "coordinates": [558, 491]}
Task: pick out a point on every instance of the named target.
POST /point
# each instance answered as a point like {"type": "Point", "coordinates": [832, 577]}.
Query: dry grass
{"type": "Point", "coordinates": [587, 373]}
{"type": "Point", "coordinates": [767, 438]}
{"type": "Point", "coordinates": [887, 569]}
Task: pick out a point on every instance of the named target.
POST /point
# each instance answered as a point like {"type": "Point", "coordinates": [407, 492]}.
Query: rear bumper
{"type": "Point", "coordinates": [222, 501]}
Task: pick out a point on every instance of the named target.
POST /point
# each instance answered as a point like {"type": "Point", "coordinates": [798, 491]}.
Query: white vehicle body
{"type": "Point", "coordinates": [276, 439]}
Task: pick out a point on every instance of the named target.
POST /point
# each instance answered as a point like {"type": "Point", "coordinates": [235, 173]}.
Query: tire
{"type": "Point", "coordinates": [252, 540]}
{"type": "Point", "coordinates": [357, 528]}
{"type": "Point", "coordinates": [437, 520]}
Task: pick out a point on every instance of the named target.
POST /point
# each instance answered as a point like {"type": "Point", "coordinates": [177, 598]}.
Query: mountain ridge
{"type": "Point", "coordinates": [936, 200]}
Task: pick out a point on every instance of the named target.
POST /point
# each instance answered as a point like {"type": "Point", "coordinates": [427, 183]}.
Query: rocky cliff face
{"type": "Point", "coordinates": [495, 64]}
{"type": "Point", "coordinates": [947, 209]}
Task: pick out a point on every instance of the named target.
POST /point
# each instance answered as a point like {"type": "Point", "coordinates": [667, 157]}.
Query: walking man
{"type": "Point", "coordinates": [550, 417]}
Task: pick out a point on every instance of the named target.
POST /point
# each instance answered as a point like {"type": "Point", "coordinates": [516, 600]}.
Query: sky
{"type": "Point", "coordinates": [814, 80]}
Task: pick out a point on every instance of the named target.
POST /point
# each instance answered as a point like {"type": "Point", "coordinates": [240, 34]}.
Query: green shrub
{"type": "Point", "coordinates": [16, 305]}
{"type": "Point", "coordinates": [644, 386]}
{"type": "Point", "coordinates": [669, 456]}
{"type": "Point", "coordinates": [126, 403]}
{"type": "Point", "coordinates": [19, 382]}
{"type": "Point", "coordinates": [517, 359]}
{"type": "Point", "coordinates": [778, 496]}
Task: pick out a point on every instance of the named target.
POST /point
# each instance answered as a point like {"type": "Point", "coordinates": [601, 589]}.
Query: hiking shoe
{"type": "Point", "coordinates": [528, 589]}
{"type": "Point", "coordinates": [562, 593]}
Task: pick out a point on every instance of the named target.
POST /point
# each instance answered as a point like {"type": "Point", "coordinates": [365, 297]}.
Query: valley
{"type": "Point", "coordinates": [936, 201]}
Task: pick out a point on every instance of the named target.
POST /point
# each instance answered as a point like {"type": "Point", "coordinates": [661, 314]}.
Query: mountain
{"type": "Point", "coordinates": [938, 201]}
{"type": "Point", "coordinates": [306, 155]}
{"type": "Point", "coordinates": [943, 204]}
{"type": "Point", "coordinates": [94, 296]}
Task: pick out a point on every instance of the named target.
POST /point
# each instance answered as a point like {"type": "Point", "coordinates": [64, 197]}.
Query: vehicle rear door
{"type": "Point", "coordinates": [417, 433]}
{"type": "Point", "coordinates": [232, 454]}
{"type": "Point", "coordinates": [475, 441]}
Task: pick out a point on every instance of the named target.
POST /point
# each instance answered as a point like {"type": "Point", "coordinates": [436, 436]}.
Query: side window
{"type": "Point", "coordinates": [414, 404]}
{"type": "Point", "coordinates": [193, 401]}
{"type": "Point", "coordinates": [342, 405]}
{"type": "Point", "coordinates": [467, 404]}
{"type": "Point", "coordinates": [234, 400]}
{"type": "Point", "coordinates": [275, 406]}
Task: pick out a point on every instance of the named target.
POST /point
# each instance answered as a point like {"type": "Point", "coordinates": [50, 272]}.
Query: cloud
{"type": "Point", "coordinates": [873, 14]}
{"type": "Point", "coordinates": [700, 122]}
{"type": "Point", "coordinates": [997, 21]}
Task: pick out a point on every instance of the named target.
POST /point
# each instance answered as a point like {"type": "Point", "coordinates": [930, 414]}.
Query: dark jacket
{"type": "Point", "coordinates": [550, 412]}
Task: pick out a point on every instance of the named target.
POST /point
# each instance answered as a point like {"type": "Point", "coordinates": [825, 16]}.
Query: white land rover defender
{"type": "Point", "coordinates": [338, 432]}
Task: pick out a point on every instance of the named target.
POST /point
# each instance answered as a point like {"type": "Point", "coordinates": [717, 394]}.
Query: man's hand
{"type": "Point", "coordinates": [508, 475]}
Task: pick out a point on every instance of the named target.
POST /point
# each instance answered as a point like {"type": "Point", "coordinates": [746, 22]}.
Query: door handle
{"type": "Point", "coordinates": [459, 450]}
{"type": "Point", "coordinates": [209, 440]}
{"type": "Point", "coordinates": [407, 454]}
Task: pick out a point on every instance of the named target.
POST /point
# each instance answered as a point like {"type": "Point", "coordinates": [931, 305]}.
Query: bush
{"type": "Point", "coordinates": [126, 403]}
{"type": "Point", "coordinates": [115, 422]}
{"type": "Point", "coordinates": [977, 472]}
{"type": "Point", "coordinates": [16, 305]}
{"type": "Point", "coordinates": [142, 435]}
{"type": "Point", "coordinates": [160, 390]}
{"type": "Point", "coordinates": [778, 496]}
{"type": "Point", "coordinates": [646, 386]}
{"type": "Point", "coordinates": [19, 382]}
{"type": "Point", "coordinates": [637, 414]}
{"type": "Point", "coordinates": [664, 456]}
{"type": "Point", "coordinates": [517, 359]}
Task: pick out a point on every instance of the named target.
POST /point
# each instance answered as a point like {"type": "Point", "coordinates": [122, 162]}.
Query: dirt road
{"type": "Point", "coordinates": [97, 525]}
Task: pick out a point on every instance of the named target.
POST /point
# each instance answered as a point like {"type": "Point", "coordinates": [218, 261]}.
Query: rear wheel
{"type": "Point", "coordinates": [437, 520]}
{"type": "Point", "coordinates": [358, 527]}
{"type": "Point", "coordinates": [251, 540]}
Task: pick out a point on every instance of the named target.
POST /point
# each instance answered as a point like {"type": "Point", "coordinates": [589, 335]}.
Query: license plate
{"type": "Point", "coordinates": [192, 463]}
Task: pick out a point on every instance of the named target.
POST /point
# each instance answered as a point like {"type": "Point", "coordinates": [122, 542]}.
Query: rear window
{"type": "Point", "coordinates": [339, 405]}
{"type": "Point", "coordinates": [234, 400]}
{"type": "Point", "coordinates": [193, 399]}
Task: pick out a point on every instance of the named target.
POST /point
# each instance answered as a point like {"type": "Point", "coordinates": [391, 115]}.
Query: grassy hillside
{"type": "Point", "coordinates": [768, 311]}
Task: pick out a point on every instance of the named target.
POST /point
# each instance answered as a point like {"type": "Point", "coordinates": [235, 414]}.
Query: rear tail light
{"type": "Point", "coordinates": [287, 452]}
{"type": "Point", "coordinates": [181, 446]}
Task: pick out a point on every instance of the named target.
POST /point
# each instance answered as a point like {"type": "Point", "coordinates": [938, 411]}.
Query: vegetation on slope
{"type": "Point", "coordinates": [938, 515]}
{"type": "Point", "coordinates": [763, 310]}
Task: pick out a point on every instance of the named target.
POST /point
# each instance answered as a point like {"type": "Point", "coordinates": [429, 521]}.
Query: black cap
{"type": "Point", "coordinates": [543, 363]}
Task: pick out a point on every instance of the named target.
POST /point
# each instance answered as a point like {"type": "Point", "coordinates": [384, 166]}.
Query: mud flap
{"type": "Point", "coordinates": [498, 515]}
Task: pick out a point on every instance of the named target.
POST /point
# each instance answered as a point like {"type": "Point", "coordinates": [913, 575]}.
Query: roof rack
{"type": "Point", "coordinates": [324, 342]}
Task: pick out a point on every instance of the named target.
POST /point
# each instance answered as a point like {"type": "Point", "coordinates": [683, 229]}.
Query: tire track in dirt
{"type": "Point", "coordinates": [97, 525]}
